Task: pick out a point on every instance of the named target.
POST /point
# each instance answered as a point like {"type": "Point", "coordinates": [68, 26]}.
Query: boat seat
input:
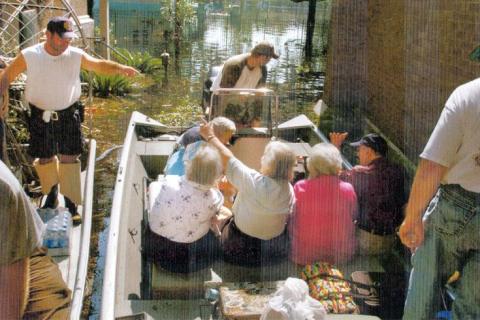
{"type": "Point", "coordinates": [249, 150]}
{"type": "Point", "coordinates": [169, 285]}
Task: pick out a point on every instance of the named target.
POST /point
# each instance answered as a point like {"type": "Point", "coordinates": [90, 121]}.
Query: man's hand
{"type": "Point", "coordinates": [206, 130]}
{"type": "Point", "coordinates": [337, 138]}
{"type": "Point", "coordinates": [411, 232]}
{"type": "Point", "coordinates": [129, 71]}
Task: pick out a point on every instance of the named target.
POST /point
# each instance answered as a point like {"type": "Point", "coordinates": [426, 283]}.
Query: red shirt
{"type": "Point", "coordinates": [380, 192]}
{"type": "Point", "coordinates": [322, 227]}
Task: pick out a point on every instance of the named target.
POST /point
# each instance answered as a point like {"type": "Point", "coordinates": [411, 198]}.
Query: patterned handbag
{"type": "Point", "coordinates": [326, 284]}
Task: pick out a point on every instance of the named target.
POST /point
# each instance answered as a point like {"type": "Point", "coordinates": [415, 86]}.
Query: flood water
{"type": "Point", "coordinates": [213, 36]}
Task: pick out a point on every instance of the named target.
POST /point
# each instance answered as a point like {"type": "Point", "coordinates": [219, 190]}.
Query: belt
{"type": "Point", "coordinates": [48, 115]}
{"type": "Point", "coordinates": [456, 193]}
{"type": "Point", "coordinates": [375, 231]}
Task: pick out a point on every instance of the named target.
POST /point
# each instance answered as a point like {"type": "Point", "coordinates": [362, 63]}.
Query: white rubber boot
{"type": "Point", "coordinates": [70, 184]}
{"type": "Point", "coordinates": [47, 173]}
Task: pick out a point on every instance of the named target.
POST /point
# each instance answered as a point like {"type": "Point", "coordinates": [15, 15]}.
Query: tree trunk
{"type": "Point", "coordinates": [312, 7]}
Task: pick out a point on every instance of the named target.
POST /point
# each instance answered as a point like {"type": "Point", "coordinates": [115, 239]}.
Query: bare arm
{"type": "Point", "coordinates": [425, 184]}
{"type": "Point", "coordinates": [12, 287]}
{"type": "Point", "coordinates": [12, 71]}
{"type": "Point", "coordinates": [206, 131]}
{"type": "Point", "coordinates": [106, 67]}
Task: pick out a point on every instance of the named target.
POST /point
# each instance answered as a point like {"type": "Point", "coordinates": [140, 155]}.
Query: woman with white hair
{"type": "Point", "coordinates": [322, 227]}
{"type": "Point", "coordinates": [256, 233]}
{"type": "Point", "coordinates": [179, 238]}
{"type": "Point", "coordinates": [191, 141]}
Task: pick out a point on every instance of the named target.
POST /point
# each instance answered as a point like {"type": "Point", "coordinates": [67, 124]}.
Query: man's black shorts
{"type": "Point", "coordinates": [62, 136]}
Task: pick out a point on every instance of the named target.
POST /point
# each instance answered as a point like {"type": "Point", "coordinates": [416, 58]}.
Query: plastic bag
{"type": "Point", "coordinates": [292, 302]}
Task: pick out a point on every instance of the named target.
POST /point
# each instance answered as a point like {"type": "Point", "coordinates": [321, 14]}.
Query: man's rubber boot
{"type": "Point", "coordinates": [76, 217]}
{"type": "Point", "coordinates": [70, 187]}
{"type": "Point", "coordinates": [51, 199]}
{"type": "Point", "coordinates": [47, 173]}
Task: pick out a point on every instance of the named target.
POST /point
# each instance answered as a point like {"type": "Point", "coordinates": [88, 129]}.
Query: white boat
{"type": "Point", "coordinates": [74, 266]}
{"type": "Point", "coordinates": [136, 289]}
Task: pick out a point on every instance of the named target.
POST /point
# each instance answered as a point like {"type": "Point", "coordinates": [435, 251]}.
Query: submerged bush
{"type": "Point", "coordinates": [142, 61]}
{"type": "Point", "coordinates": [103, 86]}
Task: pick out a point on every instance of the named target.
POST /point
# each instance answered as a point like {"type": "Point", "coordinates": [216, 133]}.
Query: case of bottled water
{"type": "Point", "coordinates": [57, 234]}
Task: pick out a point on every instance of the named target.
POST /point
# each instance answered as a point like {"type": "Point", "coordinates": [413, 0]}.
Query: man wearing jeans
{"type": "Point", "coordinates": [447, 237]}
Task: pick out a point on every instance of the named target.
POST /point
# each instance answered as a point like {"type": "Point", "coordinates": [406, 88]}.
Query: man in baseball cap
{"type": "Point", "coordinates": [379, 185]}
{"type": "Point", "coordinates": [247, 70]}
{"type": "Point", "coordinates": [61, 26]}
{"type": "Point", "coordinates": [53, 92]}
{"type": "Point", "coordinates": [265, 48]}
{"type": "Point", "coordinates": [374, 142]}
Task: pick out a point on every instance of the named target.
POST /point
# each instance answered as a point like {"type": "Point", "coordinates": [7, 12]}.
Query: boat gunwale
{"type": "Point", "coordinates": [109, 288]}
{"type": "Point", "coordinates": [78, 290]}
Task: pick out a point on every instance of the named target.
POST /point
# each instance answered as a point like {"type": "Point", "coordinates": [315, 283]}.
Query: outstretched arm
{"type": "Point", "coordinates": [425, 184]}
{"type": "Point", "coordinates": [207, 133]}
{"type": "Point", "coordinates": [106, 67]}
{"type": "Point", "coordinates": [12, 71]}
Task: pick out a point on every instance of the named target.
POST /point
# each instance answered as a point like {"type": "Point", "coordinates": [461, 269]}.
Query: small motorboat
{"type": "Point", "coordinates": [134, 288]}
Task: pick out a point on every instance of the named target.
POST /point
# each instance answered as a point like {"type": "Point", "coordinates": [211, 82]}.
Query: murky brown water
{"type": "Point", "coordinates": [208, 42]}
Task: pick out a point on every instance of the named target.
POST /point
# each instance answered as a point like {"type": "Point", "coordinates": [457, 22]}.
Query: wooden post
{"type": "Point", "coordinates": [105, 28]}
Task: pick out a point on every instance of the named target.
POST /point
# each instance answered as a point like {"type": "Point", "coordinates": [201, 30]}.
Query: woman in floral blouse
{"type": "Point", "coordinates": [180, 239]}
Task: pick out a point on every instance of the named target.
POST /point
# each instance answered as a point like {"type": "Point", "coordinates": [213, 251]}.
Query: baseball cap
{"type": "Point", "coordinates": [266, 49]}
{"type": "Point", "coordinates": [62, 26]}
{"type": "Point", "coordinates": [373, 141]}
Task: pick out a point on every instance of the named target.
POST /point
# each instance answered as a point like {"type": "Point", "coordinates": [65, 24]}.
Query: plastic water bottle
{"type": "Point", "coordinates": [66, 225]}
{"type": "Point", "coordinates": [63, 240]}
{"type": "Point", "coordinates": [212, 294]}
{"type": "Point", "coordinates": [51, 237]}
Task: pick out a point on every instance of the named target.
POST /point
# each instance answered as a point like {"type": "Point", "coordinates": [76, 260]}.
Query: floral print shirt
{"type": "Point", "coordinates": [182, 209]}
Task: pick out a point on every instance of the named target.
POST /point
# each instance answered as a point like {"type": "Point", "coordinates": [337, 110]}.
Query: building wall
{"type": "Point", "coordinates": [414, 53]}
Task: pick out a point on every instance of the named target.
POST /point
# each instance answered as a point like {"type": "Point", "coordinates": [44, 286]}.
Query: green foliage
{"type": "Point", "coordinates": [142, 61]}
{"type": "Point", "coordinates": [103, 86]}
{"type": "Point", "coordinates": [182, 14]}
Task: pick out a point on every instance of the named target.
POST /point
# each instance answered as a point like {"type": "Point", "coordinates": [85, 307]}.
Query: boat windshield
{"type": "Point", "coordinates": [247, 108]}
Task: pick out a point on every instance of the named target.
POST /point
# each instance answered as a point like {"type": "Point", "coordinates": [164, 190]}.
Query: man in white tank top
{"type": "Point", "coordinates": [53, 91]}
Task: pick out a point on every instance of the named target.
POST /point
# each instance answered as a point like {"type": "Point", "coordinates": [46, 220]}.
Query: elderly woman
{"type": "Point", "coordinates": [191, 141]}
{"type": "Point", "coordinates": [256, 233]}
{"type": "Point", "coordinates": [322, 227]}
{"type": "Point", "coordinates": [180, 217]}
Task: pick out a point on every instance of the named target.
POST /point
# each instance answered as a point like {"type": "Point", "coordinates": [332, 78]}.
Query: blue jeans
{"type": "Point", "coordinates": [452, 242]}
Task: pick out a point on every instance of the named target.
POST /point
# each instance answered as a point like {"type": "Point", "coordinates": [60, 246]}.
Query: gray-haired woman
{"type": "Point", "coordinates": [182, 208]}
{"type": "Point", "coordinates": [256, 234]}
{"type": "Point", "coordinates": [191, 141]}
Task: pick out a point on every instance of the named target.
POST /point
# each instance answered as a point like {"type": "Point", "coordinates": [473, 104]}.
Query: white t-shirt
{"type": "Point", "coordinates": [262, 204]}
{"type": "Point", "coordinates": [53, 82]}
{"type": "Point", "coordinates": [182, 210]}
{"type": "Point", "coordinates": [249, 78]}
{"type": "Point", "coordinates": [455, 141]}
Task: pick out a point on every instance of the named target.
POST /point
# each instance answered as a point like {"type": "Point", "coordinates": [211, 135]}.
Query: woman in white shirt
{"type": "Point", "coordinates": [256, 234]}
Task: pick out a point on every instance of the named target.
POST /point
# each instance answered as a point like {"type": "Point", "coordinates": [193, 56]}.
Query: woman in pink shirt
{"type": "Point", "coordinates": [322, 227]}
